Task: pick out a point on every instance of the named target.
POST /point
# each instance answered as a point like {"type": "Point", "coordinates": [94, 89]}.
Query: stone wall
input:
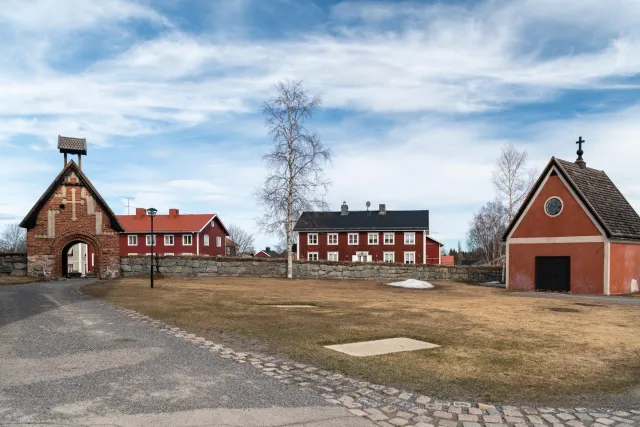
{"type": "Point", "coordinates": [254, 267]}
{"type": "Point", "coordinates": [13, 264]}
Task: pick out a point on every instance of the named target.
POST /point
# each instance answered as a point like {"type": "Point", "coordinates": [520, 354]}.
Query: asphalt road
{"type": "Point", "coordinates": [66, 360]}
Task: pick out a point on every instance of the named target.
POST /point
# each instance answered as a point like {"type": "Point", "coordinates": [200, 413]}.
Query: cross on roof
{"type": "Point", "coordinates": [580, 141]}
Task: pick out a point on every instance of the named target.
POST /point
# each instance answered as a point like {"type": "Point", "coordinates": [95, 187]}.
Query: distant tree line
{"type": "Point", "coordinates": [13, 239]}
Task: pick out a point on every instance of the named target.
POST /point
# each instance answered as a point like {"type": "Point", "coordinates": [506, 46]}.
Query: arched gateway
{"type": "Point", "coordinates": [71, 211]}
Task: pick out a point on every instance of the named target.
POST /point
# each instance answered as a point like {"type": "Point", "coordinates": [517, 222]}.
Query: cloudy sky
{"type": "Point", "coordinates": [418, 97]}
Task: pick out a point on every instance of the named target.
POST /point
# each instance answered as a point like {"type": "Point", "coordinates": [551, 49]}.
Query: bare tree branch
{"type": "Point", "coordinates": [512, 179]}
{"type": "Point", "coordinates": [243, 241]}
{"type": "Point", "coordinates": [13, 239]}
{"type": "Point", "coordinates": [296, 163]}
{"type": "Point", "coordinates": [486, 230]}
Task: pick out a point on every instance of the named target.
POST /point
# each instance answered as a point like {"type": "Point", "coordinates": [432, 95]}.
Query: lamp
{"type": "Point", "coordinates": [151, 212]}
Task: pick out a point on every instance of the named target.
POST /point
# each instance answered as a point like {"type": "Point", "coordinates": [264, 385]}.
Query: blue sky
{"type": "Point", "coordinates": [418, 97]}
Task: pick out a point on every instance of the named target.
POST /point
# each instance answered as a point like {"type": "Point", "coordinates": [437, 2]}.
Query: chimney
{"type": "Point", "coordinates": [268, 249]}
{"type": "Point", "coordinates": [382, 210]}
{"type": "Point", "coordinates": [174, 212]}
{"type": "Point", "coordinates": [344, 209]}
{"type": "Point", "coordinates": [140, 212]}
{"type": "Point", "coordinates": [580, 161]}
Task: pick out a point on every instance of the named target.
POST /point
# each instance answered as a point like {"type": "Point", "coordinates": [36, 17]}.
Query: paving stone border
{"type": "Point", "coordinates": [390, 407]}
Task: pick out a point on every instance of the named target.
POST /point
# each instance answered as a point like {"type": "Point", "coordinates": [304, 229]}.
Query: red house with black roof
{"type": "Point", "coordinates": [367, 236]}
{"type": "Point", "coordinates": [174, 233]}
{"type": "Point", "coordinates": [575, 232]}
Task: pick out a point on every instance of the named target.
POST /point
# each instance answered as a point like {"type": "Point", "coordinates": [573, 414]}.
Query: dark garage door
{"type": "Point", "coordinates": [552, 273]}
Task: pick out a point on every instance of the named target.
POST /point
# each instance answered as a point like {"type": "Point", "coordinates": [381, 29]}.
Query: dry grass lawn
{"type": "Point", "coordinates": [495, 346]}
{"type": "Point", "coordinates": [15, 280]}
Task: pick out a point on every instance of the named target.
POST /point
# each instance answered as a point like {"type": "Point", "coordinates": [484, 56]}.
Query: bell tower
{"type": "Point", "coordinates": [69, 145]}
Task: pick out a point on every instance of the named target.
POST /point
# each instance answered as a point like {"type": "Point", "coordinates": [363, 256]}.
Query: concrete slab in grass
{"type": "Point", "coordinates": [386, 346]}
{"type": "Point", "coordinates": [292, 306]}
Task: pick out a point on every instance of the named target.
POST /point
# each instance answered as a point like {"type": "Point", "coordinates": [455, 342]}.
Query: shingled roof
{"type": "Point", "coordinates": [363, 220]}
{"type": "Point", "coordinates": [72, 145]}
{"type": "Point", "coordinates": [30, 220]}
{"type": "Point", "coordinates": [599, 194]}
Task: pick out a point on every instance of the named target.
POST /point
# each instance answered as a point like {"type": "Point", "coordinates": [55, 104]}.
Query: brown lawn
{"type": "Point", "coordinates": [495, 346]}
{"type": "Point", "coordinates": [16, 280]}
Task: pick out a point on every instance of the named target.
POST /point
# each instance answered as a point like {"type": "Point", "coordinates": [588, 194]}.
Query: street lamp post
{"type": "Point", "coordinates": [151, 212]}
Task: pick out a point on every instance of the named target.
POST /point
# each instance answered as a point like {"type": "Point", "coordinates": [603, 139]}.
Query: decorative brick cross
{"type": "Point", "coordinates": [73, 202]}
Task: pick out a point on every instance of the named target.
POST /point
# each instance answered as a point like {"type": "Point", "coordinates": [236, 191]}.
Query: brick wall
{"type": "Point", "coordinates": [13, 264]}
{"type": "Point", "coordinates": [254, 267]}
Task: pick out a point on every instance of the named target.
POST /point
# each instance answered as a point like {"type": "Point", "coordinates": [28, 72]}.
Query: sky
{"type": "Point", "coordinates": [418, 98]}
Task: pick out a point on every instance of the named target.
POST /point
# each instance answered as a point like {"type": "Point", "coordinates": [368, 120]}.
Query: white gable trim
{"type": "Point", "coordinates": [535, 196]}
{"type": "Point", "coordinates": [564, 239]}
{"type": "Point", "coordinates": [208, 222]}
{"type": "Point", "coordinates": [607, 268]}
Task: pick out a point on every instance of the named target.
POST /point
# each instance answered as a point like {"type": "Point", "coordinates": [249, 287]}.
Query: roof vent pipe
{"type": "Point", "coordinates": [344, 209]}
{"type": "Point", "coordinates": [382, 210]}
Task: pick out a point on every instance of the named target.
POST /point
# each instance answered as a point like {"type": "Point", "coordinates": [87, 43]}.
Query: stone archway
{"type": "Point", "coordinates": [61, 245]}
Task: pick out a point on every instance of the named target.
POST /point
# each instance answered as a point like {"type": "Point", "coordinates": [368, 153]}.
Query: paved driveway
{"type": "Point", "coordinates": [65, 360]}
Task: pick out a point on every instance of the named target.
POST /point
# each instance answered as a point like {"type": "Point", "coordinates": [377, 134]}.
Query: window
{"type": "Point", "coordinates": [389, 238]}
{"type": "Point", "coordinates": [206, 240]}
{"type": "Point", "coordinates": [133, 240]}
{"type": "Point", "coordinates": [553, 206]}
{"type": "Point", "coordinates": [168, 254]}
{"type": "Point", "coordinates": [149, 239]}
{"type": "Point", "coordinates": [187, 239]}
{"type": "Point", "coordinates": [389, 257]}
{"type": "Point", "coordinates": [218, 241]}
{"type": "Point", "coordinates": [332, 256]}
{"type": "Point", "coordinates": [168, 240]}
{"type": "Point", "coordinates": [373, 238]}
{"type": "Point", "coordinates": [353, 238]}
{"type": "Point", "coordinates": [312, 256]}
{"type": "Point", "coordinates": [332, 238]}
{"type": "Point", "coordinates": [187, 254]}
{"type": "Point", "coordinates": [409, 257]}
{"type": "Point", "coordinates": [409, 238]}
{"type": "Point", "coordinates": [312, 238]}
{"type": "Point", "coordinates": [213, 223]}
{"type": "Point", "coordinates": [362, 256]}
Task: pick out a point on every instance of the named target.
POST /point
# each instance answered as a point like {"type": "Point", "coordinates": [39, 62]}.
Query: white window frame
{"type": "Point", "coordinates": [376, 235]}
{"type": "Point", "coordinates": [184, 240]}
{"type": "Point", "coordinates": [393, 238]}
{"type": "Point", "coordinates": [206, 240]}
{"type": "Point", "coordinates": [413, 256]}
{"type": "Point", "coordinates": [168, 254]}
{"type": "Point", "coordinates": [186, 254]}
{"type": "Point", "coordinates": [133, 253]}
{"type": "Point", "coordinates": [173, 239]}
{"type": "Point", "coordinates": [309, 242]}
{"type": "Point", "coordinates": [219, 241]}
{"type": "Point", "coordinates": [349, 238]}
{"type": "Point", "coordinates": [135, 237]}
{"type": "Point", "coordinates": [329, 236]}
{"type": "Point", "coordinates": [148, 239]}
{"type": "Point", "coordinates": [393, 256]}
{"type": "Point", "coordinates": [315, 254]}
{"type": "Point", "coordinates": [336, 254]}
{"type": "Point", "coordinates": [413, 238]}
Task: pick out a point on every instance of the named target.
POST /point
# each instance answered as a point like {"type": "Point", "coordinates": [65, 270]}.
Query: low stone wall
{"type": "Point", "coordinates": [13, 264]}
{"type": "Point", "coordinates": [254, 267]}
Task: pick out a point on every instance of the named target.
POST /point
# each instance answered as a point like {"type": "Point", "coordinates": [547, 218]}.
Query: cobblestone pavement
{"type": "Point", "coordinates": [392, 407]}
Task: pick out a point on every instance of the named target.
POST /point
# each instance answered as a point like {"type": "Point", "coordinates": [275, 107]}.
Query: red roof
{"type": "Point", "coordinates": [171, 223]}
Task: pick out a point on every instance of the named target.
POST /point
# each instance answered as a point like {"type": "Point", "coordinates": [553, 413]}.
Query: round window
{"type": "Point", "coordinates": [553, 206]}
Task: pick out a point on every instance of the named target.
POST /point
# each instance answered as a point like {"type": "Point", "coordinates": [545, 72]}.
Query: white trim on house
{"type": "Point", "coordinates": [129, 240]}
{"type": "Point", "coordinates": [173, 239]}
{"type": "Point", "coordinates": [329, 239]}
{"type": "Point", "coordinates": [218, 241]}
{"type": "Point", "coordinates": [349, 238]}
{"type": "Point", "coordinates": [407, 253]}
{"type": "Point", "coordinates": [198, 244]}
{"type": "Point", "coordinates": [298, 247]}
{"type": "Point", "coordinates": [409, 233]}
{"type": "Point", "coordinates": [205, 240]}
{"type": "Point", "coordinates": [263, 251]}
{"type": "Point", "coordinates": [435, 240]}
{"type": "Point", "coordinates": [393, 256]}
{"type": "Point", "coordinates": [312, 253]}
{"type": "Point", "coordinates": [563, 239]}
{"type": "Point", "coordinates": [209, 222]}
{"type": "Point", "coordinates": [376, 235]}
{"type": "Point", "coordinates": [424, 247]}
{"type": "Point", "coordinates": [337, 255]}
{"type": "Point", "coordinates": [133, 253]}
{"type": "Point", "coordinates": [168, 254]}
{"type": "Point", "coordinates": [607, 268]}
{"type": "Point", "coordinates": [384, 238]}
{"type": "Point", "coordinates": [184, 236]}
{"type": "Point", "coordinates": [506, 260]}
{"type": "Point", "coordinates": [309, 239]}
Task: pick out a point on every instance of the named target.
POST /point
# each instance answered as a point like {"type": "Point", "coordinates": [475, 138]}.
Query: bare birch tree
{"type": "Point", "coordinates": [486, 230]}
{"type": "Point", "coordinates": [244, 242]}
{"type": "Point", "coordinates": [512, 179]}
{"type": "Point", "coordinates": [296, 163]}
{"type": "Point", "coordinates": [13, 239]}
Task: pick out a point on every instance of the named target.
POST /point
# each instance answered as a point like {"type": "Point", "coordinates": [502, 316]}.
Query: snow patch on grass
{"type": "Point", "coordinates": [412, 284]}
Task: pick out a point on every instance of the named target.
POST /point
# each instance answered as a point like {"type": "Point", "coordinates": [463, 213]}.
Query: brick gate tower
{"type": "Point", "coordinates": [71, 211]}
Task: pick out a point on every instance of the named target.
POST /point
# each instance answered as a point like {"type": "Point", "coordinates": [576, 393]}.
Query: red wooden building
{"type": "Point", "coordinates": [575, 233]}
{"type": "Point", "coordinates": [175, 234]}
{"type": "Point", "coordinates": [367, 236]}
